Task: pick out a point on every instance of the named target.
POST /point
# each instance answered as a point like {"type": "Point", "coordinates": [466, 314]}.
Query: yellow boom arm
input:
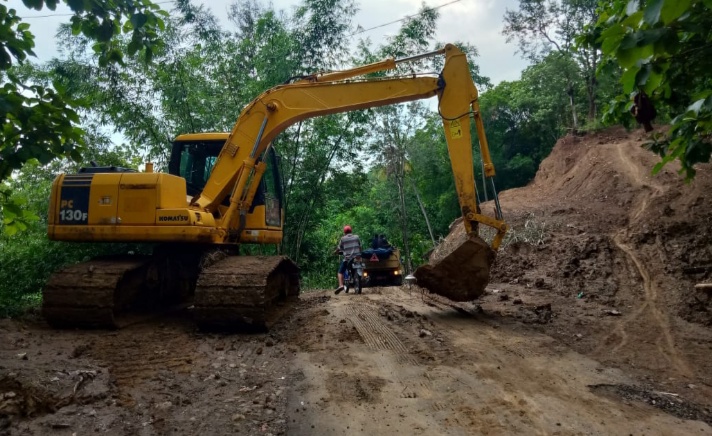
{"type": "Point", "coordinates": [238, 169]}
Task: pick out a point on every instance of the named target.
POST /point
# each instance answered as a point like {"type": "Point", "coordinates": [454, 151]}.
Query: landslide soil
{"type": "Point", "coordinates": [591, 325]}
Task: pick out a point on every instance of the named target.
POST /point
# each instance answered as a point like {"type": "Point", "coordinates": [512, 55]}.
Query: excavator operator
{"type": "Point", "coordinates": [350, 247]}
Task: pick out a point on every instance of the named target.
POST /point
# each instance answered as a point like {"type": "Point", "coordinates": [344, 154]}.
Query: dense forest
{"type": "Point", "coordinates": [145, 75]}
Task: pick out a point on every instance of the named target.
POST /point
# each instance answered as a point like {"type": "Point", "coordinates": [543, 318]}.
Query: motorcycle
{"type": "Point", "coordinates": [353, 276]}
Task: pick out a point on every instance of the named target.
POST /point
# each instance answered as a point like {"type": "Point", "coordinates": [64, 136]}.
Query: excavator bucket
{"type": "Point", "coordinates": [459, 268]}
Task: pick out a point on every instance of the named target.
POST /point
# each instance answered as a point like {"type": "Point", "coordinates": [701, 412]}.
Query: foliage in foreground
{"type": "Point", "coordinates": [40, 121]}
{"type": "Point", "coordinates": [664, 48]}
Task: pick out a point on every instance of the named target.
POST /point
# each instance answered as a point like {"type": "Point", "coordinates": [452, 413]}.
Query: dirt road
{"type": "Point", "coordinates": [386, 362]}
{"type": "Point", "coordinates": [423, 367]}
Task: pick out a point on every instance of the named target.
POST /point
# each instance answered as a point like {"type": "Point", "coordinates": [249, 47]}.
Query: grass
{"type": "Point", "coordinates": [319, 280]}
{"type": "Point", "coordinates": [534, 232]}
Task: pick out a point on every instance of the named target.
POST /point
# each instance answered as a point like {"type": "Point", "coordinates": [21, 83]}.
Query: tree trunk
{"type": "Point", "coordinates": [573, 110]}
{"type": "Point", "coordinates": [422, 209]}
{"type": "Point", "coordinates": [404, 223]}
{"type": "Point", "coordinates": [591, 89]}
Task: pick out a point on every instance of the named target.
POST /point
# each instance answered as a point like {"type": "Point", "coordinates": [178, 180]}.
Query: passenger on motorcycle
{"type": "Point", "coordinates": [350, 247]}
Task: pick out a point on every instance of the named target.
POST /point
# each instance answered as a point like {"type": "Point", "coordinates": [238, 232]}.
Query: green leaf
{"type": "Point", "coordinates": [611, 44]}
{"type": "Point", "coordinates": [29, 217]}
{"type": "Point", "coordinates": [635, 55]}
{"type": "Point", "coordinates": [634, 20]}
{"type": "Point", "coordinates": [652, 82]}
{"type": "Point", "coordinates": [631, 40]}
{"type": "Point", "coordinates": [703, 94]}
{"type": "Point", "coordinates": [628, 79]}
{"type": "Point", "coordinates": [673, 9]}
{"type": "Point", "coordinates": [11, 210]}
{"type": "Point", "coordinates": [651, 36]}
{"type": "Point", "coordinates": [641, 78]}
{"type": "Point", "coordinates": [76, 5]}
{"type": "Point", "coordinates": [658, 166]}
{"type": "Point", "coordinates": [138, 20]}
{"type": "Point", "coordinates": [10, 229]}
{"type": "Point", "coordinates": [668, 42]}
{"type": "Point", "coordinates": [615, 30]}
{"type": "Point", "coordinates": [105, 31]}
{"type": "Point", "coordinates": [33, 4]}
{"type": "Point", "coordinates": [133, 47]}
{"type": "Point", "coordinates": [75, 155]}
{"type": "Point", "coordinates": [76, 26]}
{"type": "Point", "coordinates": [652, 11]}
{"type": "Point", "coordinates": [627, 58]}
{"type": "Point", "coordinates": [128, 26]}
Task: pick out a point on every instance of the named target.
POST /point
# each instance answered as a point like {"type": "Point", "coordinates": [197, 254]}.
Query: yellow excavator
{"type": "Point", "coordinates": [223, 190]}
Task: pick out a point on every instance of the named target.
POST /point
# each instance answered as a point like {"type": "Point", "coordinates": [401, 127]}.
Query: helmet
{"type": "Point", "coordinates": [347, 229]}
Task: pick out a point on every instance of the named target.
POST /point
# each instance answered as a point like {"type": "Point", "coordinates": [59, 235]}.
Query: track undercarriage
{"type": "Point", "coordinates": [226, 291]}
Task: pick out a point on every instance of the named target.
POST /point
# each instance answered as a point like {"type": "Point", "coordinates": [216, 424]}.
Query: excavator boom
{"type": "Point", "coordinates": [278, 108]}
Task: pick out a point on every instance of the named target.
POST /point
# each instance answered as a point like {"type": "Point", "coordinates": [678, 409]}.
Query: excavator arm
{"type": "Point", "coordinates": [239, 168]}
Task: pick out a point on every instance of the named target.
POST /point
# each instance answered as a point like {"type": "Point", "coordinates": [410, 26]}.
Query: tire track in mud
{"type": "Point", "coordinates": [378, 336]}
{"type": "Point", "coordinates": [665, 343]}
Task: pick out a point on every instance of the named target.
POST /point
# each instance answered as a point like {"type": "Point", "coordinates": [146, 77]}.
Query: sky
{"type": "Point", "coordinates": [478, 22]}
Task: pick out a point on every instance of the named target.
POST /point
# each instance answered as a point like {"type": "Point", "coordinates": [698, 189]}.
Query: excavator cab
{"type": "Point", "coordinates": [194, 161]}
{"type": "Point", "coordinates": [193, 157]}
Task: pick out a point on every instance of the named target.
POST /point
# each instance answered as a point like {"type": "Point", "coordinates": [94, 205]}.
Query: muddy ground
{"type": "Point", "coordinates": [591, 325]}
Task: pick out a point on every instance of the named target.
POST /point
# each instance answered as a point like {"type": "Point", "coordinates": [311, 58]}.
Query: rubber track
{"type": "Point", "coordinates": [244, 290]}
{"type": "Point", "coordinates": [87, 294]}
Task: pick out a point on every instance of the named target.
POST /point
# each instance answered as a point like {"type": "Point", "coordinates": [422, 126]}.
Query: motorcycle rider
{"type": "Point", "coordinates": [350, 247]}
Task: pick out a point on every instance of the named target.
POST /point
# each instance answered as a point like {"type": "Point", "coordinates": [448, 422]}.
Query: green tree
{"type": "Point", "coordinates": [664, 48]}
{"type": "Point", "coordinates": [544, 26]}
{"type": "Point", "coordinates": [40, 122]}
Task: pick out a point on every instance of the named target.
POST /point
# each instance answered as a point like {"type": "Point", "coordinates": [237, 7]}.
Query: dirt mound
{"type": "Point", "coordinates": [594, 198]}
{"type": "Point", "coordinates": [459, 267]}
